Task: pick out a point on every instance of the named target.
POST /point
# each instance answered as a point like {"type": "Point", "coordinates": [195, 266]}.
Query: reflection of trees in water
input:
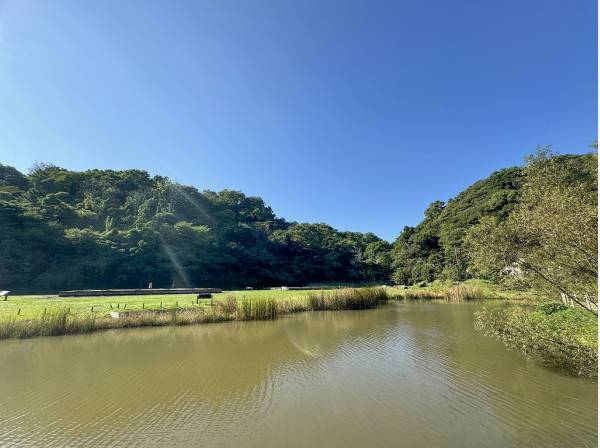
{"type": "Point", "coordinates": [479, 372]}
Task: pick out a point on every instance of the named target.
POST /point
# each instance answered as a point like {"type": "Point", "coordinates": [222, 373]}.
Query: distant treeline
{"type": "Point", "coordinates": [62, 229]}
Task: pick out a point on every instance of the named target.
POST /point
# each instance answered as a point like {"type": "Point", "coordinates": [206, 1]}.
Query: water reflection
{"type": "Point", "coordinates": [417, 374]}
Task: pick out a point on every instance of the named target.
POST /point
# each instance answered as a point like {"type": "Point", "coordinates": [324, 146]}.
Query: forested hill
{"type": "Point", "coordinates": [435, 248]}
{"type": "Point", "coordinates": [490, 227]}
{"type": "Point", "coordinates": [62, 229]}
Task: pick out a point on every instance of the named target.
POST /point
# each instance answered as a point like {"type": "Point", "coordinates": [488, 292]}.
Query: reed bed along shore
{"type": "Point", "coordinates": [62, 321]}
{"type": "Point", "coordinates": [348, 299]}
{"type": "Point", "coordinates": [456, 293]}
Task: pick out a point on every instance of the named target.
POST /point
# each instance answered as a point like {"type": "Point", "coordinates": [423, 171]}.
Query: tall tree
{"type": "Point", "coordinates": [550, 240]}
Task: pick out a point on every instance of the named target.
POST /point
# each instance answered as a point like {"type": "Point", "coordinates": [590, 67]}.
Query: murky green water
{"type": "Point", "coordinates": [401, 376]}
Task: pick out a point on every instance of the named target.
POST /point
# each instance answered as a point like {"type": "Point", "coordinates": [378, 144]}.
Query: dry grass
{"type": "Point", "coordinates": [458, 293]}
{"type": "Point", "coordinates": [227, 306]}
{"type": "Point", "coordinates": [348, 299]}
{"type": "Point", "coordinates": [464, 293]}
{"type": "Point", "coordinates": [62, 321]}
{"type": "Point", "coordinates": [421, 295]}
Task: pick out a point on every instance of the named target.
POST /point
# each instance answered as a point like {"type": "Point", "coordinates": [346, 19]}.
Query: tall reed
{"type": "Point", "coordinates": [464, 293]}
{"type": "Point", "coordinates": [348, 299]}
{"type": "Point", "coordinates": [257, 309]}
{"type": "Point", "coordinates": [54, 322]}
{"type": "Point", "coordinates": [227, 306]}
{"type": "Point", "coordinates": [421, 295]}
{"type": "Point", "coordinates": [61, 321]}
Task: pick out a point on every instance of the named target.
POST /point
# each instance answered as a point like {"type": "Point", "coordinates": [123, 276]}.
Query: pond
{"type": "Point", "coordinates": [413, 375]}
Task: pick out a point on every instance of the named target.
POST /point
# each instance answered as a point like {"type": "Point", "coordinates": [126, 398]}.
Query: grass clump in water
{"type": "Point", "coordinates": [257, 309]}
{"type": "Point", "coordinates": [416, 295]}
{"type": "Point", "coordinates": [464, 293]}
{"type": "Point", "coordinates": [348, 299]}
{"type": "Point", "coordinates": [54, 322]}
{"type": "Point", "coordinates": [13, 328]}
{"type": "Point", "coordinates": [227, 306]}
{"type": "Point", "coordinates": [292, 306]}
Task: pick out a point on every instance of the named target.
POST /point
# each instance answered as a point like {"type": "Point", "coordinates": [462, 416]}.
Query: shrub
{"type": "Point", "coordinates": [549, 308]}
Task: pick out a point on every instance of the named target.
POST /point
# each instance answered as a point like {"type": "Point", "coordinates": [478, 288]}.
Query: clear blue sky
{"type": "Point", "coordinates": [358, 114]}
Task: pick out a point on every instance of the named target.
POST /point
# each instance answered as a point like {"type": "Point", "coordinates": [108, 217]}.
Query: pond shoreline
{"type": "Point", "coordinates": [60, 321]}
{"type": "Point", "coordinates": [573, 350]}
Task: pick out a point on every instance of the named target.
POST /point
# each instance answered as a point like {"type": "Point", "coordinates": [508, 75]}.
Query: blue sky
{"type": "Point", "coordinates": [358, 114]}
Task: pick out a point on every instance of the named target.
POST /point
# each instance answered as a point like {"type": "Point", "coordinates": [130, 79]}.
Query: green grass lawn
{"type": "Point", "coordinates": [32, 306]}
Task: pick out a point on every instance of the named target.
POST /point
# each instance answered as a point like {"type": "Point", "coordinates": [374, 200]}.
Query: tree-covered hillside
{"type": "Point", "coordinates": [434, 248]}
{"type": "Point", "coordinates": [549, 242]}
{"type": "Point", "coordinates": [106, 229]}
{"type": "Point", "coordinates": [534, 225]}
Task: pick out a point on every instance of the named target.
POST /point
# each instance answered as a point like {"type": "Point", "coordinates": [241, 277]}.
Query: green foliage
{"type": "Point", "coordinates": [531, 227]}
{"type": "Point", "coordinates": [11, 179]}
{"type": "Point", "coordinates": [109, 229]}
{"type": "Point", "coordinates": [435, 248]}
{"type": "Point", "coordinates": [549, 308]}
{"type": "Point", "coordinates": [550, 240]}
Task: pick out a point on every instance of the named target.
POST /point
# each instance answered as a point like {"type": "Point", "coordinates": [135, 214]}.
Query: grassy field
{"type": "Point", "coordinates": [32, 306]}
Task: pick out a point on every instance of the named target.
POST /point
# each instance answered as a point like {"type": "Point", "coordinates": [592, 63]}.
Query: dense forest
{"type": "Point", "coordinates": [62, 229]}
{"type": "Point", "coordinates": [106, 229]}
{"type": "Point", "coordinates": [435, 248]}
{"type": "Point", "coordinates": [534, 227]}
